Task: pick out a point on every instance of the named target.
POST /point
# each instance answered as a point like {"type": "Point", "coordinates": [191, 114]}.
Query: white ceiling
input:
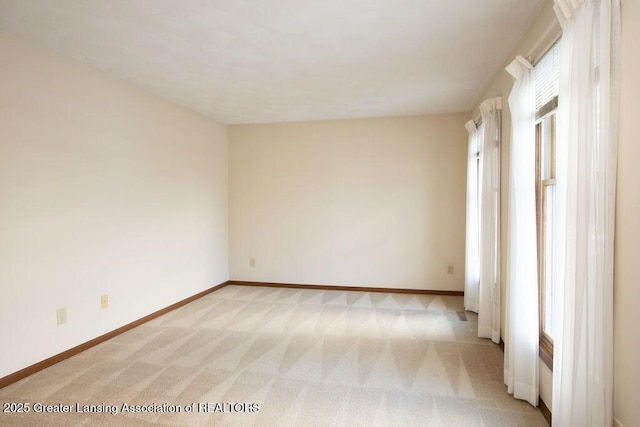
{"type": "Point", "coordinates": [243, 61]}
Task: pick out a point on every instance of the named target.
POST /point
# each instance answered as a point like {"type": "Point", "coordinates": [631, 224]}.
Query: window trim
{"type": "Point", "coordinates": [547, 109]}
{"type": "Point", "coordinates": [550, 108]}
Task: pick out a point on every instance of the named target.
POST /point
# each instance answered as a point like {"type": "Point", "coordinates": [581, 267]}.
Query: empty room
{"type": "Point", "coordinates": [347, 212]}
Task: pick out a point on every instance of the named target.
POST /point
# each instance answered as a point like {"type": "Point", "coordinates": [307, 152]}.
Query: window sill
{"type": "Point", "coordinates": [546, 352]}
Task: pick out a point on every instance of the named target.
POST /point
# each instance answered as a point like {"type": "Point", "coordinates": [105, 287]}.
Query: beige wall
{"type": "Point", "coordinates": [370, 202]}
{"type": "Point", "coordinates": [627, 267]}
{"type": "Point", "coordinates": [104, 189]}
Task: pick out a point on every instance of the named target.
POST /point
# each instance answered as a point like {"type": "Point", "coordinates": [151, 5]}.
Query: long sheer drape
{"type": "Point", "coordinates": [521, 321]}
{"type": "Point", "coordinates": [489, 203]}
{"type": "Point", "coordinates": [586, 170]}
{"type": "Point", "coordinates": [472, 253]}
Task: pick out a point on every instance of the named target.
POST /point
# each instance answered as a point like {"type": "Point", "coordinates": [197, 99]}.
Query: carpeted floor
{"type": "Point", "coordinates": [272, 356]}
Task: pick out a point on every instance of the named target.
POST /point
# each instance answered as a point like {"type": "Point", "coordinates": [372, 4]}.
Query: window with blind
{"type": "Point", "coordinates": [547, 75]}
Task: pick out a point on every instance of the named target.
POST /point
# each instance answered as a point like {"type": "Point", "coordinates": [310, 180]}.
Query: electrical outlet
{"type": "Point", "coordinates": [252, 262]}
{"type": "Point", "coordinates": [104, 301]}
{"type": "Point", "coordinates": [450, 269]}
{"type": "Point", "coordinates": [61, 315]}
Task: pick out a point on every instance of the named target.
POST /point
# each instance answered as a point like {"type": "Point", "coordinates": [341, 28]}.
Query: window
{"type": "Point", "coordinates": [495, 198]}
{"type": "Point", "coordinates": [545, 196]}
{"type": "Point", "coordinates": [546, 79]}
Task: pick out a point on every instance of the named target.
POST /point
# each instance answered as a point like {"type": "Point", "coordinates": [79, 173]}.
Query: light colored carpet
{"type": "Point", "coordinates": [306, 357]}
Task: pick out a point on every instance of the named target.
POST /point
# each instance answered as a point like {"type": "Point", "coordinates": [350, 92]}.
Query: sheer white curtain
{"type": "Point", "coordinates": [521, 322]}
{"type": "Point", "coordinates": [586, 170]}
{"type": "Point", "coordinates": [489, 203]}
{"type": "Point", "coordinates": [472, 255]}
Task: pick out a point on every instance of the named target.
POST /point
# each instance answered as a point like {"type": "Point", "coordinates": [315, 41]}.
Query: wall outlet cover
{"type": "Point", "coordinates": [61, 315]}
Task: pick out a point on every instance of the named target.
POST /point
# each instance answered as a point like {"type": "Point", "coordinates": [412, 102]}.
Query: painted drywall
{"type": "Point", "coordinates": [546, 384]}
{"type": "Point", "coordinates": [104, 189]}
{"type": "Point", "coordinates": [544, 30]}
{"type": "Point", "coordinates": [368, 202]}
{"type": "Point", "coordinates": [627, 269]}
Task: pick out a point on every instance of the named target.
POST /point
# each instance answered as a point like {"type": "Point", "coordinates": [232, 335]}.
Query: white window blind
{"type": "Point", "coordinates": [547, 75]}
